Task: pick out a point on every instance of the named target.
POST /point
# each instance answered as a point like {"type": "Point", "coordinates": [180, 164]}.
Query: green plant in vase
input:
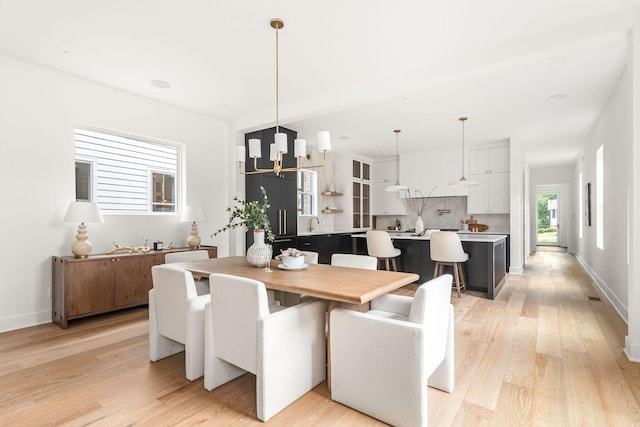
{"type": "Point", "coordinates": [253, 215]}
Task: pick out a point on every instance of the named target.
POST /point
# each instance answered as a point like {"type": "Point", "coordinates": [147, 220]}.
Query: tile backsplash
{"type": "Point", "coordinates": [445, 212]}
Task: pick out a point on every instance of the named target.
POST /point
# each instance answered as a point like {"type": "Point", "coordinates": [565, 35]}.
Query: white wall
{"type": "Point", "coordinates": [39, 109]}
{"type": "Point", "coordinates": [609, 266]}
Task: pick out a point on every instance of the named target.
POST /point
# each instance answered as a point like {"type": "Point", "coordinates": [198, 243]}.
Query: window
{"type": "Point", "coordinates": [307, 193]}
{"type": "Point", "coordinates": [580, 205]}
{"type": "Point", "coordinates": [600, 197]}
{"type": "Point", "coordinates": [123, 174]}
{"type": "Point", "coordinates": [83, 181]}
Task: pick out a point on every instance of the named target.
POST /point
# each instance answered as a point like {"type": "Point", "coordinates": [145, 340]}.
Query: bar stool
{"type": "Point", "coordinates": [379, 245]}
{"type": "Point", "coordinates": [446, 250]}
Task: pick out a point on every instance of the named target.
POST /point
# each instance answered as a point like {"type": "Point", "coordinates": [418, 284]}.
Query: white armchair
{"type": "Point", "coordinates": [355, 261]}
{"type": "Point", "coordinates": [202, 285]}
{"type": "Point", "coordinates": [283, 346]}
{"type": "Point", "coordinates": [176, 318]}
{"type": "Point", "coordinates": [383, 360]}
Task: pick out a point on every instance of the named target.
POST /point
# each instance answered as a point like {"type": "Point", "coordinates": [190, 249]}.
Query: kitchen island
{"type": "Point", "coordinates": [485, 270]}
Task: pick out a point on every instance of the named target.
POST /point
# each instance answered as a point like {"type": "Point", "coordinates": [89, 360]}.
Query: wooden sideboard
{"type": "Point", "coordinates": [103, 283]}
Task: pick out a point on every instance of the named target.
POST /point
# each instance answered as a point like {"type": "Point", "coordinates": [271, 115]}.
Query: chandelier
{"type": "Point", "coordinates": [279, 147]}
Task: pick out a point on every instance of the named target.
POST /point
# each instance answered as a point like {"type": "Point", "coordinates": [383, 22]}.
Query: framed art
{"type": "Point", "coordinates": [587, 204]}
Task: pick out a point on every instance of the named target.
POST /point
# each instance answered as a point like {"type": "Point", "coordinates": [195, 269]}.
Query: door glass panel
{"type": "Point", "coordinates": [548, 219]}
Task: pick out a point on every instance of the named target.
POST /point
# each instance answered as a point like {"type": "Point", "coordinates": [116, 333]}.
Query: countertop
{"type": "Point", "coordinates": [464, 236]}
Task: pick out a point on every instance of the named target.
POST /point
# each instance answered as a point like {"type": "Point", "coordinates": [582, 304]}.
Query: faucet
{"type": "Point", "coordinates": [311, 222]}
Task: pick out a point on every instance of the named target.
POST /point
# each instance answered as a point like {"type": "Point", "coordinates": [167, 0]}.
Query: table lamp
{"type": "Point", "coordinates": [82, 212]}
{"type": "Point", "coordinates": [193, 214]}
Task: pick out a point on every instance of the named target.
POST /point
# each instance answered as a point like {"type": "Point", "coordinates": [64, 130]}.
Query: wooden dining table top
{"type": "Point", "coordinates": [344, 284]}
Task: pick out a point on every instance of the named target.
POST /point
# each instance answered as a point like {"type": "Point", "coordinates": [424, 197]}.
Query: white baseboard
{"type": "Point", "coordinates": [515, 270]}
{"type": "Point", "coordinates": [617, 305]}
{"type": "Point", "coordinates": [25, 320]}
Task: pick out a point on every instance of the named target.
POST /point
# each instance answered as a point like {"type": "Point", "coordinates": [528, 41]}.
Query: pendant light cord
{"type": "Point", "coordinates": [277, 84]}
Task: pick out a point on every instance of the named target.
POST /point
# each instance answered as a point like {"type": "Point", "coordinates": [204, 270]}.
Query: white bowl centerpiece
{"type": "Point", "coordinates": [291, 257]}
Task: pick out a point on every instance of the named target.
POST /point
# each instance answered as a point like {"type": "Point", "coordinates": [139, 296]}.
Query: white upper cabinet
{"type": "Point", "coordinates": [434, 168]}
{"type": "Point", "coordinates": [489, 167]}
{"type": "Point", "coordinates": [488, 160]}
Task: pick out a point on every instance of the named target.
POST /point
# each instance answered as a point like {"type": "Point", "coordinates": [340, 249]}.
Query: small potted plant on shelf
{"type": "Point", "coordinates": [253, 215]}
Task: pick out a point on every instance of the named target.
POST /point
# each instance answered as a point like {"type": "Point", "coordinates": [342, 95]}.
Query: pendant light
{"type": "Point", "coordinates": [397, 186]}
{"type": "Point", "coordinates": [463, 182]}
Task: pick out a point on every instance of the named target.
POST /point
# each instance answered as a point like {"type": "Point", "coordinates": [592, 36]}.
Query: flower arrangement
{"type": "Point", "coordinates": [252, 214]}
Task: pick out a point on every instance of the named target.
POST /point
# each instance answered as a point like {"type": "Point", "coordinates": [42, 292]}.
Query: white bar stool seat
{"type": "Point", "coordinates": [446, 250]}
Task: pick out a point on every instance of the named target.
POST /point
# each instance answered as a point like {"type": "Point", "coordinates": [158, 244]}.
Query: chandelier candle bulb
{"type": "Point", "coordinates": [240, 153]}
{"type": "Point", "coordinates": [273, 153]}
{"type": "Point", "coordinates": [300, 148]}
{"type": "Point", "coordinates": [255, 152]}
{"type": "Point", "coordinates": [324, 141]}
{"type": "Point", "coordinates": [281, 142]}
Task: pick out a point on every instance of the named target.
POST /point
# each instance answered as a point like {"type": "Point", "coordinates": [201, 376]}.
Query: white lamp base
{"type": "Point", "coordinates": [193, 241]}
{"type": "Point", "coordinates": [81, 248]}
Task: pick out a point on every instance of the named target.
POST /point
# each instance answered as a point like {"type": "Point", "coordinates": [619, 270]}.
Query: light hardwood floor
{"type": "Point", "coordinates": [541, 354]}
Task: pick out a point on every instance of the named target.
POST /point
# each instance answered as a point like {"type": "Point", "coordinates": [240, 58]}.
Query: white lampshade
{"type": "Point", "coordinates": [83, 212]}
{"type": "Point", "coordinates": [240, 153]}
{"type": "Point", "coordinates": [193, 214]}
{"type": "Point", "coordinates": [324, 141]}
{"type": "Point", "coordinates": [272, 152]}
{"type": "Point", "coordinates": [300, 148]}
{"type": "Point", "coordinates": [255, 152]}
{"type": "Point", "coordinates": [396, 187]}
{"type": "Point", "coordinates": [464, 182]}
{"type": "Point", "coordinates": [281, 142]}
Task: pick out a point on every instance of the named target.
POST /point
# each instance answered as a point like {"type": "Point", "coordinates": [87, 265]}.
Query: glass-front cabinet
{"type": "Point", "coordinates": [361, 194]}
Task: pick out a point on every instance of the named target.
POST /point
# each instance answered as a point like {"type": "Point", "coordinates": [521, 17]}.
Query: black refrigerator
{"type": "Point", "coordinates": [281, 190]}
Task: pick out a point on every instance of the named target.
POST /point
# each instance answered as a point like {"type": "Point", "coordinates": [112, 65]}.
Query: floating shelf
{"type": "Point", "coordinates": [331, 211]}
{"type": "Point", "coordinates": [331, 193]}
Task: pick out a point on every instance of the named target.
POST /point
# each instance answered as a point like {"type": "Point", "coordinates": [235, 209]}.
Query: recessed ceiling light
{"type": "Point", "coordinates": [160, 84]}
{"type": "Point", "coordinates": [558, 97]}
{"type": "Point", "coordinates": [344, 137]}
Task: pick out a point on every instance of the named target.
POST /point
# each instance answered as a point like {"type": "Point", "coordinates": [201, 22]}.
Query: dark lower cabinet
{"type": "Point", "coordinates": [326, 245]}
{"type": "Point", "coordinates": [485, 270]}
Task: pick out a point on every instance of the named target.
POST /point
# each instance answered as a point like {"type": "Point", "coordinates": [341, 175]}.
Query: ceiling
{"type": "Point", "coordinates": [359, 69]}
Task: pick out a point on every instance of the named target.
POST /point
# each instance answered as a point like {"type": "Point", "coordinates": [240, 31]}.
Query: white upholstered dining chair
{"type": "Point", "coordinates": [354, 261]}
{"type": "Point", "coordinates": [283, 346]}
{"type": "Point", "coordinates": [176, 318]}
{"type": "Point", "coordinates": [202, 285]}
{"type": "Point", "coordinates": [383, 360]}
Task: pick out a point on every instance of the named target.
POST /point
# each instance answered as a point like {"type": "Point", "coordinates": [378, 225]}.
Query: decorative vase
{"type": "Point", "coordinates": [259, 253]}
{"type": "Point", "coordinates": [419, 226]}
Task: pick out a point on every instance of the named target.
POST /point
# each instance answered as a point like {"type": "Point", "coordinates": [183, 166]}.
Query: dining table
{"type": "Point", "coordinates": [332, 283]}
{"type": "Point", "coordinates": [337, 285]}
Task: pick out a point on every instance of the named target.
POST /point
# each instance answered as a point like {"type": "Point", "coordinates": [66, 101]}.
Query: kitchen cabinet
{"type": "Point", "coordinates": [489, 167]}
{"type": "Point", "coordinates": [281, 191]}
{"type": "Point", "coordinates": [386, 202]}
{"type": "Point", "coordinates": [326, 245]}
{"type": "Point", "coordinates": [102, 283]}
{"type": "Point", "coordinates": [354, 175]}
